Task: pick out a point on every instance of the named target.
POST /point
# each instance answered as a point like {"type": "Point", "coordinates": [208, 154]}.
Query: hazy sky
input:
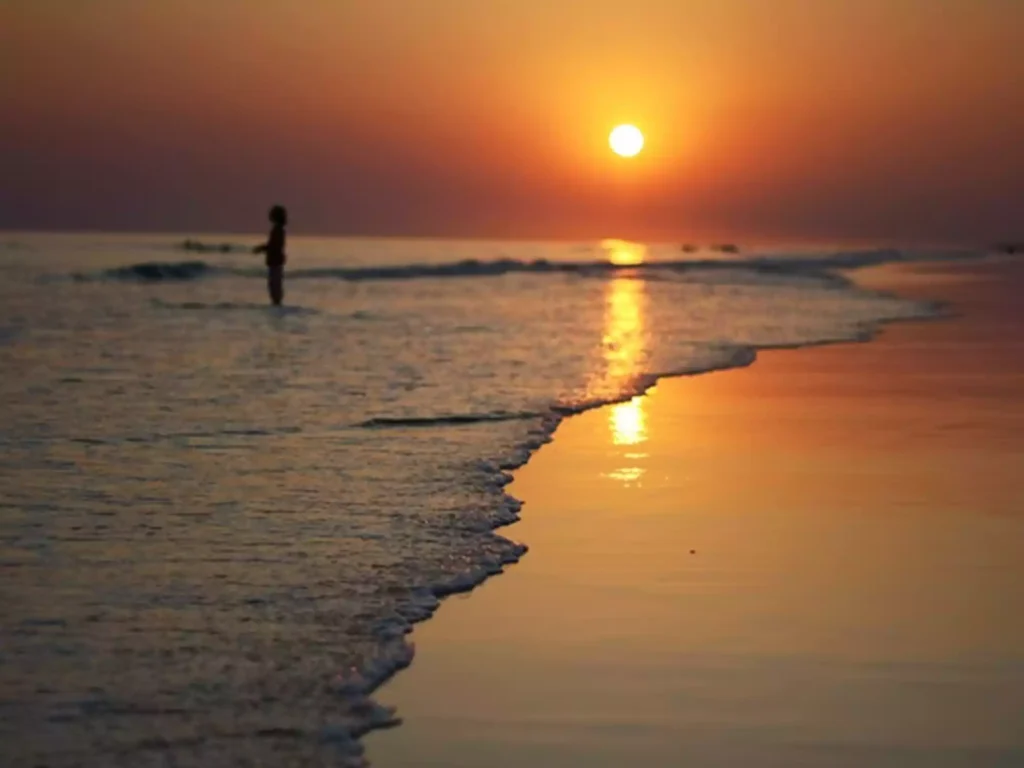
{"type": "Point", "coordinates": [799, 119]}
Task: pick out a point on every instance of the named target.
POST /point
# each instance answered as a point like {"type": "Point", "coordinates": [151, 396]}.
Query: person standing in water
{"type": "Point", "coordinates": [274, 248]}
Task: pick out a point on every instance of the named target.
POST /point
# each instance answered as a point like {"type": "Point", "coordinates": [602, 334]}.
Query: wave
{"type": "Point", "coordinates": [819, 268]}
{"type": "Point", "coordinates": [230, 306]}
{"type": "Point", "coordinates": [14, 245]}
{"type": "Point", "coordinates": [155, 271]}
{"type": "Point", "coordinates": [197, 246]}
{"type": "Point", "coordinates": [789, 266]}
{"type": "Point", "coordinates": [458, 419]}
{"type": "Point", "coordinates": [717, 357]}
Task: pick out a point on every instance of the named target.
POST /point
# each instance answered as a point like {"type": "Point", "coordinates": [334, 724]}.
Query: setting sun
{"type": "Point", "coordinates": [626, 140]}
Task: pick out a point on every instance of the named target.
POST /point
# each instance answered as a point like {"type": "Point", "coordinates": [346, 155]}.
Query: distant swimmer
{"type": "Point", "coordinates": [274, 248]}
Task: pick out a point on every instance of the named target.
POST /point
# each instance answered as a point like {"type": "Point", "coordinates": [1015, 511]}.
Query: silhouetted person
{"type": "Point", "coordinates": [274, 248]}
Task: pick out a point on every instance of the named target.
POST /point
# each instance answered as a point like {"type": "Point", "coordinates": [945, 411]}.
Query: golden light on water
{"type": "Point", "coordinates": [628, 422]}
{"type": "Point", "coordinates": [624, 253]}
{"type": "Point", "coordinates": [625, 334]}
{"type": "Point", "coordinates": [624, 347]}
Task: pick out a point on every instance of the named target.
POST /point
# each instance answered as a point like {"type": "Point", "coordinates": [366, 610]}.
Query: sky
{"type": "Point", "coordinates": [809, 120]}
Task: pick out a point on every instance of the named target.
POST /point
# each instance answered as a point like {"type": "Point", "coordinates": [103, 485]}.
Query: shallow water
{"type": "Point", "coordinates": [804, 563]}
{"type": "Point", "coordinates": [217, 518]}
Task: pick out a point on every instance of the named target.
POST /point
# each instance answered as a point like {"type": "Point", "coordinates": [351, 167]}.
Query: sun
{"type": "Point", "coordinates": [626, 140]}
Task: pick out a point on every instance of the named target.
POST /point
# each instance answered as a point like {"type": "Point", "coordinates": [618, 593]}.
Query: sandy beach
{"type": "Point", "coordinates": [536, 384]}
{"type": "Point", "coordinates": [814, 561]}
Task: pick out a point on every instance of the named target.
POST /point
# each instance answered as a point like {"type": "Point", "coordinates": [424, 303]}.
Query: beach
{"type": "Point", "coordinates": [816, 560]}
{"type": "Point", "coordinates": [220, 519]}
{"type": "Point", "coordinates": [500, 384]}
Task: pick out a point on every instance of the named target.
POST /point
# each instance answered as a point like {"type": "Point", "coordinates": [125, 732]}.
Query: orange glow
{"type": "Point", "coordinates": [795, 117]}
{"type": "Point", "coordinates": [624, 253]}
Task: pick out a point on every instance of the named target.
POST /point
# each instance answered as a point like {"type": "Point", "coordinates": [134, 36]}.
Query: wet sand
{"type": "Point", "coordinates": [814, 561]}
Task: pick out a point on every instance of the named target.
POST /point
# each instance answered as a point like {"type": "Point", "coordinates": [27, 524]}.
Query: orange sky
{"type": "Point", "coordinates": [787, 119]}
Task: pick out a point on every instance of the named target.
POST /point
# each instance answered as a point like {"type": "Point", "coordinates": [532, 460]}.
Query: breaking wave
{"type": "Point", "coordinates": [822, 269]}
{"type": "Point", "coordinates": [197, 246]}
{"type": "Point", "coordinates": [155, 271]}
{"type": "Point", "coordinates": [447, 420]}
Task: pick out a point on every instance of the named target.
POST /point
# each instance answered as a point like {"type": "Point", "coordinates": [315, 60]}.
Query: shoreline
{"type": "Point", "coordinates": [363, 691]}
{"type": "Point", "coordinates": [875, 279]}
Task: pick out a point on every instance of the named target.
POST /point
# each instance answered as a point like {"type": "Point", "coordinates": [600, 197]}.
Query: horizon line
{"type": "Point", "coordinates": [699, 242]}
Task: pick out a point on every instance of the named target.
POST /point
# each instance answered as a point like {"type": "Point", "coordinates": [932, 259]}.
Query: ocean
{"type": "Point", "coordinates": [219, 519]}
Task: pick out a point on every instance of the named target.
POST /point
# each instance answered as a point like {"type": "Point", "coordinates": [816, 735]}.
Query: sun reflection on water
{"type": "Point", "coordinates": [628, 423]}
{"type": "Point", "coordinates": [625, 335]}
{"type": "Point", "coordinates": [624, 253]}
{"type": "Point", "coordinates": [625, 352]}
{"type": "Point", "coordinates": [628, 475]}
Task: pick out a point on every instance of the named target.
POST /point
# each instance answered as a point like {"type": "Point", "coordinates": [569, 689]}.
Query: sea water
{"type": "Point", "coordinates": [218, 519]}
